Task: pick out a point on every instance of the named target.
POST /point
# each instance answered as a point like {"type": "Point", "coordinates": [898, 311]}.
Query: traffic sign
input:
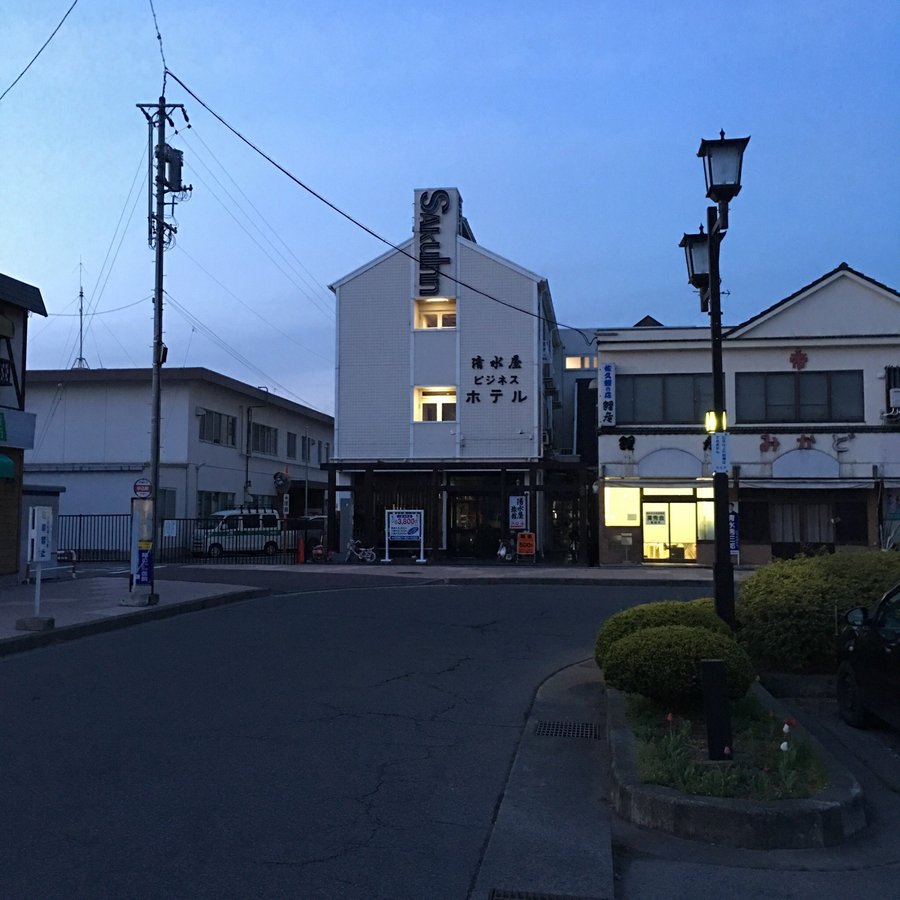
{"type": "Point", "coordinates": [143, 488]}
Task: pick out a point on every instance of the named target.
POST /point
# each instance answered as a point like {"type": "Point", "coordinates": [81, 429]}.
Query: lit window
{"type": "Point", "coordinates": [434, 404]}
{"type": "Point", "coordinates": [436, 313]}
{"type": "Point", "coordinates": [581, 362]}
{"type": "Point", "coordinates": [622, 506]}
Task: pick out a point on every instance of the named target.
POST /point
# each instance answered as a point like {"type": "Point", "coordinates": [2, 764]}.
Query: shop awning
{"type": "Point", "coordinates": [7, 467]}
{"type": "Point", "coordinates": [819, 484]}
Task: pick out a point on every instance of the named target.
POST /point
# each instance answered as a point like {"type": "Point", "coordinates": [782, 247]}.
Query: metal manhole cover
{"type": "Point", "coordinates": [568, 729]}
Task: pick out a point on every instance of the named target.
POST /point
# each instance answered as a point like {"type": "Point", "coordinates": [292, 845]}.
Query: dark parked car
{"type": "Point", "coordinates": [868, 675]}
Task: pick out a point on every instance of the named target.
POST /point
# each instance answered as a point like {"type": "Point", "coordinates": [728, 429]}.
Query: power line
{"type": "Point", "coordinates": [161, 53]}
{"type": "Point", "coordinates": [315, 288]}
{"type": "Point", "coordinates": [100, 312]}
{"type": "Point", "coordinates": [358, 224]}
{"type": "Point", "coordinates": [43, 47]}
{"type": "Point", "coordinates": [249, 308]}
{"type": "Point", "coordinates": [315, 301]}
{"type": "Point", "coordinates": [224, 345]}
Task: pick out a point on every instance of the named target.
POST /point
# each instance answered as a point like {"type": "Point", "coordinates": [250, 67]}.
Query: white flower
{"type": "Point", "coordinates": [784, 746]}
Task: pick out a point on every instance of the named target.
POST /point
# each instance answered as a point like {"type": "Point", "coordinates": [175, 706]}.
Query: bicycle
{"type": "Point", "coordinates": [355, 550]}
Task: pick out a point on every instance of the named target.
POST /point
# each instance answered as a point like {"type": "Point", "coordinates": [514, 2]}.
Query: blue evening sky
{"type": "Point", "coordinates": [570, 129]}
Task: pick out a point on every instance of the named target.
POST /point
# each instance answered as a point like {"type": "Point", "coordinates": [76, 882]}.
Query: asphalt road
{"type": "Point", "coordinates": [350, 742]}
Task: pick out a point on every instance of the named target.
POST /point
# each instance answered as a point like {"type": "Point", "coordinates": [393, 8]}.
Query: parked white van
{"type": "Point", "coordinates": [243, 530]}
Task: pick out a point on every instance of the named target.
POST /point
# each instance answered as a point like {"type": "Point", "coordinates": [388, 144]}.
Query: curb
{"type": "Point", "coordinates": [35, 640]}
{"type": "Point", "coordinates": [825, 820]}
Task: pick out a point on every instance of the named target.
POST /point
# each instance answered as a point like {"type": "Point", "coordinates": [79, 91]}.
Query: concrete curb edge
{"type": "Point", "coordinates": [822, 821]}
{"type": "Point", "coordinates": [35, 640]}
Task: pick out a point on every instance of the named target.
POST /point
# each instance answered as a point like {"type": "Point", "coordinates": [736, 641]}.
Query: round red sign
{"type": "Point", "coordinates": [143, 488]}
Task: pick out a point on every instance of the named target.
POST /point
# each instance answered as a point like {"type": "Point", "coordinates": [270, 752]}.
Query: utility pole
{"type": "Point", "coordinates": [161, 235]}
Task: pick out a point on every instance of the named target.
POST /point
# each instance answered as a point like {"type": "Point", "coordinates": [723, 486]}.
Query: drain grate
{"type": "Point", "coordinates": [530, 895]}
{"type": "Point", "coordinates": [568, 729]}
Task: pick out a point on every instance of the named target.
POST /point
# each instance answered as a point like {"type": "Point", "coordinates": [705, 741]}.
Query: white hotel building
{"type": "Point", "coordinates": [447, 394]}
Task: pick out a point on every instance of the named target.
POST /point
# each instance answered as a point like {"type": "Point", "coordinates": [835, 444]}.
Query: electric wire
{"type": "Point", "coordinates": [243, 227]}
{"type": "Point", "coordinates": [43, 47]}
{"type": "Point", "coordinates": [224, 345]}
{"type": "Point", "coordinates": [399, 249]}
{"type": "Point", "coordinates": [95, 298]}
{"type": "Point", "coordinates": [161, 52]}
{"type": "Point", "coordinates": [327, 309]}
{"type": "Point", "coordinates": [101, 312]}
{"type": "Point", "coordinates": [249, 308]}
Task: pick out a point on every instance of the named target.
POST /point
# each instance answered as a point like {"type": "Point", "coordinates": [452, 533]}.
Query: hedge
{"type": "Point", "coordinates": [663, 663]}
{"type": "Point", "coordinates": [694, 613]}
{"type": "Point", "coordinates": [787, 610]}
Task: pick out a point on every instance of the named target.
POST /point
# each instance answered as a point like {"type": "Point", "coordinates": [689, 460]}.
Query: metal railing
{"type": "Point", "coordinates": [107, 538]}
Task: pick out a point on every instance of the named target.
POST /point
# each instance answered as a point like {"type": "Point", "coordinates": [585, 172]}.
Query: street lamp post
{"type": "Point", "coordinates": [722, 162]}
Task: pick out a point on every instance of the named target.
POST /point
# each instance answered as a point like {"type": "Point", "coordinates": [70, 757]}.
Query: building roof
{"type": "Point", "coordinates": [842, 269]}
{"type": "Point", "coordinates": [173, 374]}
{"type": "Point", "coordinates": [18, 293]}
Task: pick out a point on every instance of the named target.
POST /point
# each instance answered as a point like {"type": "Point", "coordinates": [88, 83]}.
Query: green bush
{"type": "Point", "coordinates": [787, 610]}
{"type": "Point", "coordinates": [694, 613]}
{"type": "Point", "coordinates": [663, 663]}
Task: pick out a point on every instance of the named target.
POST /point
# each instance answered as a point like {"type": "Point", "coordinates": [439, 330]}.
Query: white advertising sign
{"type": "Point", "coordinates": [608, 394]}
{"type": "Point", "coordinates": [518, 512]}
{"type": "Point", "coordinates": [40, 534]}
{"type": "Point", "coordinates": [404, 524]}
{"type": "Point", "coordinates": [720, 456]}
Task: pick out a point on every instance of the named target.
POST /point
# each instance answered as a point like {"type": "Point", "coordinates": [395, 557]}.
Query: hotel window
{"type": "Point", "coordinates": [434, 404]}
{"type": "Point", "coordinates": [663, 399]}
{"type": "Point", "coordinates": [437, 313]}
{"type": "Point", "coordinates": [581, 362]}
{"type": "Point", "coordinates": [218, 428]}
{"type": "Point", "coordinates": [770, 397]}
{"type": "Point", "coordinates": [264, 439]}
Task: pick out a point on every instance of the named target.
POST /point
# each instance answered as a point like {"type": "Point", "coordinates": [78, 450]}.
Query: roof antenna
{"type": "Point", "coordinates": [81, 362]}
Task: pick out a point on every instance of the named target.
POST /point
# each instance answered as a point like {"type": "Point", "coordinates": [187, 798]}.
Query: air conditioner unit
{"type": "Point", "coordinates": [894, 399]}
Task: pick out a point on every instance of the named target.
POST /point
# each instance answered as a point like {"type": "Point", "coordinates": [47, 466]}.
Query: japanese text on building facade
{"type": "Point", "coordinates": [498, 381]}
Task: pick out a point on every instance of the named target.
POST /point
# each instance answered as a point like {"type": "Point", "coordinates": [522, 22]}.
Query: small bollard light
{"type": "Point", "coordinates": [716, 708]}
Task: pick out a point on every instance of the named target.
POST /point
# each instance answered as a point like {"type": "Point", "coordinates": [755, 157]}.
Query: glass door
{"type": "Point", "coordinates": [670, 531]}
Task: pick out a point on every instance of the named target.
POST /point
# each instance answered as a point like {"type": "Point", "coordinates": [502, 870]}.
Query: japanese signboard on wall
{"type": "Point", "coordinates": [495, 379]}
{"type": "Point", "coordinates": [40, 533]}
{"type": "Point", "coordinates": [518, 512]}
{"type": "Point", "coordinates": [719, 455]}
{"type": "Point", "coordinates": [608, 394]}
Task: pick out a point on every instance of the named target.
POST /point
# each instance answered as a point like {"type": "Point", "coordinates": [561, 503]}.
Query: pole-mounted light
{"type": "Point", "coordinates": [722, 160]}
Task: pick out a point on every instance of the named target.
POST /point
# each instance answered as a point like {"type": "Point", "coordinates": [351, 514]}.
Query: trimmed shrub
{"type": "Point", "coordinates": [695, 614]}
{"type": "Point", "coordinates": [787, 610]}
{"type": "Point", "coordinates": [663, 664]}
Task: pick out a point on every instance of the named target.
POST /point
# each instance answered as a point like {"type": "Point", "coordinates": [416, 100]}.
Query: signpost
{"type": "Point", "coordinates": [40, 550]}
{"type": "Point", "coordinates": [404, 525]}
{"type": "Point", "coordinates": [143, 488]}
{"type": "Point", "coordinates": [525, 545]}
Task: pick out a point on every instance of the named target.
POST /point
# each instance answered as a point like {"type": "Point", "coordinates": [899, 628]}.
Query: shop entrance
{"type": "Point", "coordinates": [670, 531]}
{"type": "Point", "coordinates": [474, 530]}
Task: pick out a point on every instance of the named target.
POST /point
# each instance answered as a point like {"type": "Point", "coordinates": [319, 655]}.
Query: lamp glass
{"type": "Point", "coordinates": [722, 162]}
{"type": "Point", "coordinates": [696, 254]}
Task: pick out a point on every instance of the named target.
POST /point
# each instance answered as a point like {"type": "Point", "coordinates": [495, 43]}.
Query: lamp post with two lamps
{"type": "Point", "coordinates": [722, 162]}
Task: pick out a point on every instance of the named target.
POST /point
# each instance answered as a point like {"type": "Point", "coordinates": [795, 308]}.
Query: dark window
{"type": "Point", "coordinates": [753, 522]}
{"type": "Point", "coordinates": [851, 525]}
{"type": "Point", "coordinates": [429, 412]}
{"type": "Point", "coordinates": [775, 397]}
{"type": "Point", "coordinates": [448, 412]}
{"type": "Point", "coordinates": [291, 445]}
{"type": "Point", "coordinates": [663, 399]}
{"type": "Point", "coordinates": [218, 428]}
{"type": "Point", "coordinates": [264, 439]}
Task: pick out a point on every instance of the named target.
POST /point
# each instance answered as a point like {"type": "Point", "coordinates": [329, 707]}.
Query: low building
{"type": "Point", "coordinates": [223, 443]}
{"type": "Point", "coordinates": [447, 394]}
{"type": "Point", "coordinates": [812, 387]}
{"type": "Point", "coordinates": [17, 426]}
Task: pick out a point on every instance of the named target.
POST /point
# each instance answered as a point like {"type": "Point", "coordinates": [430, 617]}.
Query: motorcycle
{"type": "Point", "coordinates": [355, 550]}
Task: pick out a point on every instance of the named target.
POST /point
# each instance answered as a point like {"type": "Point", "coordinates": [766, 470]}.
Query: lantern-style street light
{"type": "Point", "coordinates": [722, 163]}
